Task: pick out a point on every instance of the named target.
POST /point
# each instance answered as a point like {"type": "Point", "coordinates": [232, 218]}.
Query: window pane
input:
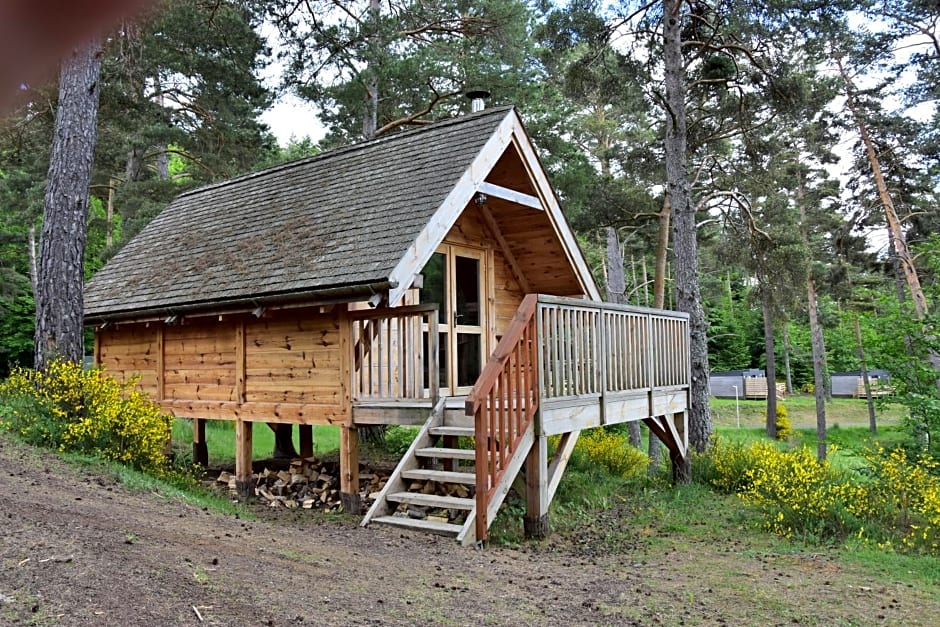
{"type": "Point", "coordinates": [467, 278]}
{"type": "Point", "coordinates": [441, 362]}
{"type": "Point", "coordinates": [435, 285]}
{"type": "Point", "coordinates": [469, 358]}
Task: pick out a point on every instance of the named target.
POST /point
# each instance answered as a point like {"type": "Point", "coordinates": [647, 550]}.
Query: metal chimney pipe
{"type": "Point", "coordinates": [477, 99]}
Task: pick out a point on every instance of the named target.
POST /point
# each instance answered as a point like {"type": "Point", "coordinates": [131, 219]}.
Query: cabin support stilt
{"type": "Point", "coordinates": [349, 470]}
{"type": "Point", "coordinates": [305, 435]}
{"type": "Point", "coordinates": [200, 449]}
{"type": "Point", "coordinates": [535, 522]}
{"type": "Point", "coordinates": [243, 444]}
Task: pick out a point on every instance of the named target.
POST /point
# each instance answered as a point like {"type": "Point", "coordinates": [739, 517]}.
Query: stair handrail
{"type": "Point", "coordinates": [503, 402]}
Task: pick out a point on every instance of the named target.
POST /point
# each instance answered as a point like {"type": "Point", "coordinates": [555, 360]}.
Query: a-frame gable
{"type": "Point", "coordinates": [510, 135]}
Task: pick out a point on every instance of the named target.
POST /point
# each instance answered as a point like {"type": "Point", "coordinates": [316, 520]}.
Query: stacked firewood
{"type": "Point", "coordinates": [306, 484]}
{"type": "Point", "coordinates": [313, 484]}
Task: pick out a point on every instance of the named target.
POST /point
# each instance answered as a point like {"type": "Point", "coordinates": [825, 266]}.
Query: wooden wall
{"type": "Point", "coordinates": [129, 350]}
{"type": "Point", "coordinates": [288, 367]}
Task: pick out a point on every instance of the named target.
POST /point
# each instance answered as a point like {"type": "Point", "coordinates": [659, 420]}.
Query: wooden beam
{"type": "Point", "coordinates": [98, 347]}
{"type": "Point", "coordinates": [504, 248]}
{"type": "Point", "coordinates": [161, 363]}
{"type": "Point", "coordinates": [293, 413]}
{"type": "Point", "coordinates": [200, 448]}
{"type": "Point", "coordinates": [305, 435]}
{"type": "Point", "coordinates": [243, 443]}
{"type": "Point", "coordinates": [498, 191]}
{"type": "Point", "coordinates": [535, 521]}
{"type": "Point", "coordinates": [240, 361]}
{"type": "Point", "coordinates": [553, 210]}
{"type": "Point", "coordinates": [349, 470]}
{"type": "Point", "coordinates": [559, 462]}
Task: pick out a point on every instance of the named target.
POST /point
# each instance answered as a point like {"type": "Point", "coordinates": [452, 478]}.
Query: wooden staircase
{"type": "Point", "coordinates": [503, 404]}
{"type": "Point", "coordinates": [433, 460]}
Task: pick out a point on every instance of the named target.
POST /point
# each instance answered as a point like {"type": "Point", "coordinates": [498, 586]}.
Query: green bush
{"type": "Point", "coordinates": [724, 466]}
{"type": "Point", "coordinates": [85, 411]}
{"type": "Point", "coordinates": [399, 438]}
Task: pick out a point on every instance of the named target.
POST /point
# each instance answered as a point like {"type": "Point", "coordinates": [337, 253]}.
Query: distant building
{"type": "Point", "coordinates": [750, 383]}
{"type": "Point", "coordinates": [851, 384]}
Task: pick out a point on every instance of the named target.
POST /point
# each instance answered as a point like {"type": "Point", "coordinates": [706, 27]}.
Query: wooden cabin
{"type": "Point", "coordinates": [424, 278]}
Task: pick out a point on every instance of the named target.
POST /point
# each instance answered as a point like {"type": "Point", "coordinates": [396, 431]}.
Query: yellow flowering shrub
{"type": "Point", "coordinates": [784, 428]}
{"type": "Point", "coordinates": [893, 502]}
{"type": "Point", "coordinates": [801, 494]}
{"type": "Point", "coordinates": [85, 411]}
{"type": "Point", "coordinates": [908, 497]}
{"type": "Point", "coordinates": [611, 451]}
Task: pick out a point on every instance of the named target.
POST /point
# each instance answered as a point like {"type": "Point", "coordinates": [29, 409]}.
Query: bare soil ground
{"type": "Point", "coordinates": [78, 549]}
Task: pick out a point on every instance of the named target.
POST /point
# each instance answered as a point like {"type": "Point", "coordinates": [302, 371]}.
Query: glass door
{"type": "Point", "coordinates": [453, 278]}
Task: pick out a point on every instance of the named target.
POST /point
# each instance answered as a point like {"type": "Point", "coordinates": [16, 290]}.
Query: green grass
{"type": "Point", "coordinates": [220, 440]}
{"type": "Point", "coordinates": [801, 410]}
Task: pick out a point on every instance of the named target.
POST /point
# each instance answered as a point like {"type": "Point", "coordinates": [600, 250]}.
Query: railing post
{"type": "Point", "coordinates": [434, 373]}
{"type": "Point", "coordinates": [649, 364]}
{"type": "Point", "coordinates": [602, 345]}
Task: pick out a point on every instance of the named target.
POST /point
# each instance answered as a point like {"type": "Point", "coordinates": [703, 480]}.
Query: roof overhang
{"type": "Point", "coordinates": [373, 292]}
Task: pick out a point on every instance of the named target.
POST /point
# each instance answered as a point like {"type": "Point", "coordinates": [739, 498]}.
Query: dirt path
{"type": "Point", "coordinates": [77, 549]}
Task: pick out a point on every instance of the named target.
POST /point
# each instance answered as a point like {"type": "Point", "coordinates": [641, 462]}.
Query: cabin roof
{"type": "Point", "coordinates": [343, 223]}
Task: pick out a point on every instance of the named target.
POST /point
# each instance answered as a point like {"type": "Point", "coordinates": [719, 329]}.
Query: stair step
{"type": "Point", "coordinates": [446, 453]}
{"type": "Point", "coordinates": [431, 500]}
{"type": "Point", "coordinates": [466, 432]}
{"type": "Point", "coordinates": [431, 526]}
{"type": "Point", "coordinates": [441, 476]}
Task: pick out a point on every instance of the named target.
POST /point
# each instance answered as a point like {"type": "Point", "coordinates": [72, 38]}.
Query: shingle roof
{"type": "Point", "coordinates": [341, 218]}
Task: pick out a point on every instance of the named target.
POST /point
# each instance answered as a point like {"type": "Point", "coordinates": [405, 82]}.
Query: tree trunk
{"type": "Point", "coordinates": [872, 424]}
{"type": "Point", "coordinates": [685, 246]}
{"type": "Point", "coordinates": [654, 448]}
{"type": "Point", "coordinates": [786, 357]}
{"type": "Point", "coordinates": [771, 364]}
{"type": "Point", "coordinates": [60, 275]}
{"type": "Point", "coordinates": [33, 265]}
{"type": "Point", "coordinates": [819, 381]}
{"type": "Point", "coordinates": [370, 118]}
{"type": "Point", "coordinates": [891, 216]}
{"type": "Point", "coordinates": [616, 286]}
{"type": "Point", "coordinates": [109, 216]}
{"type": "Point", "coordinates": [283, 441]}
{"type": "Point", "coordinates": [816, 336]}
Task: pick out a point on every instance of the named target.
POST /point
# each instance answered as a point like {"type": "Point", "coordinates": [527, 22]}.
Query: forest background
{"type": "Point", "coordinates": [808, 156]}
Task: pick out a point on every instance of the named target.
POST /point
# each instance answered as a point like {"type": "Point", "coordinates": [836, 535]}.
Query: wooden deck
{"type": "Point", "coordinates": [562, 366]}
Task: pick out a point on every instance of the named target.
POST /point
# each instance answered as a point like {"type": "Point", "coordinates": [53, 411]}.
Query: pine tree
{"type": "Point", "coordinates": [60, 277]}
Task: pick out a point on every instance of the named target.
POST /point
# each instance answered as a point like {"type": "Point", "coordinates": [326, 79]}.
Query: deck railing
{"type": "Point", "coordinates": [503, 403]}
{"type": "Point", "coordinates": [592, 348]}
{"type": "Point", "coordinates": [394, 354]}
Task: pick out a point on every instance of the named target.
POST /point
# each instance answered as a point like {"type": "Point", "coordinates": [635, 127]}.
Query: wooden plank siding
{"type": "Point", "coordinates": [126, 351]}
{"type": "Point", "coordinates": [285, 368]}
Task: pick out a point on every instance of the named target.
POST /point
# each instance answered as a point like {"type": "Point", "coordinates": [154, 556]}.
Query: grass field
{"type": "Point", "coordinates": [220, 440]}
